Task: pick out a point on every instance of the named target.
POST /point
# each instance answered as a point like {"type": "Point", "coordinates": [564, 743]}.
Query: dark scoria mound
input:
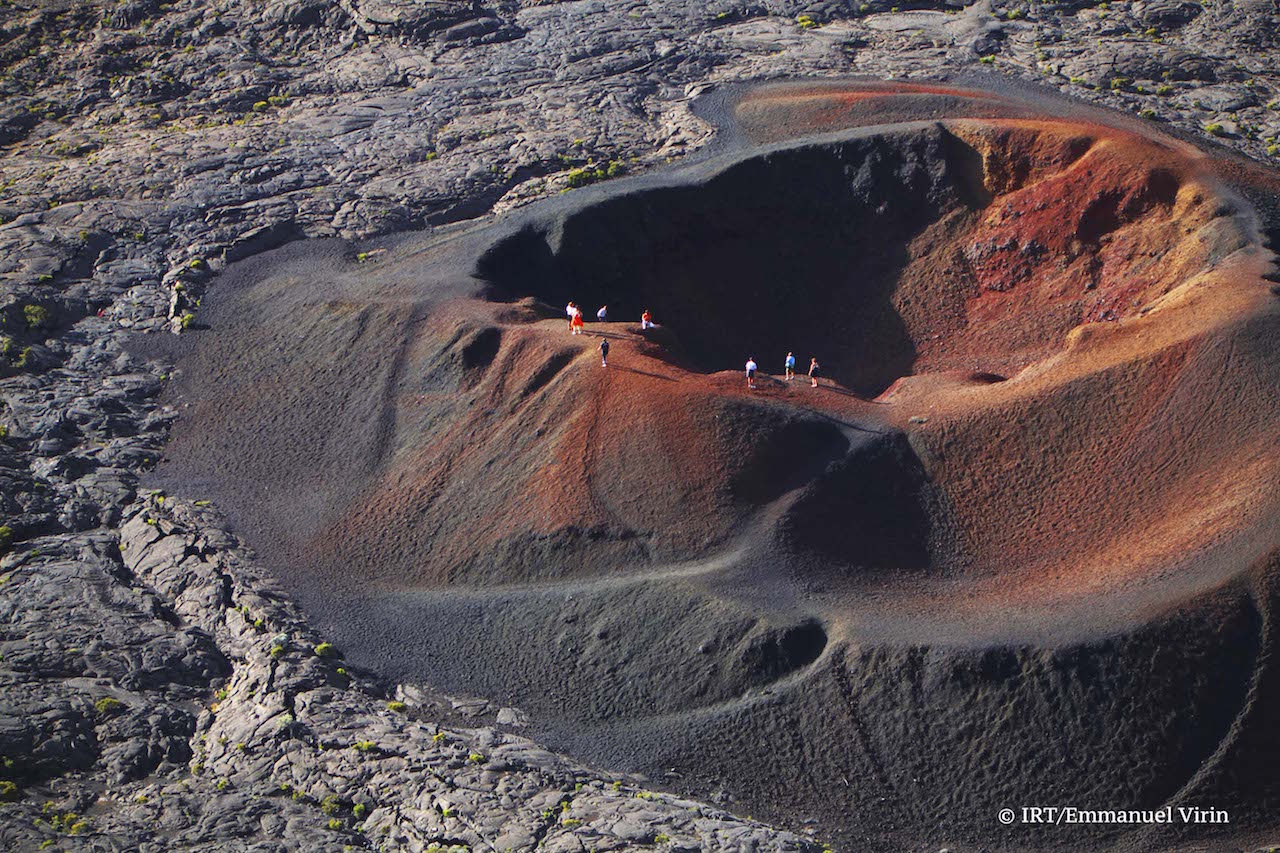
{"type": "Point", "coordinates": [1037, 567]}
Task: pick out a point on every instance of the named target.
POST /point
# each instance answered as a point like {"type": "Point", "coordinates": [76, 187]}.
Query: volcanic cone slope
{"type": "Point", "coordinates": [1018, 546]}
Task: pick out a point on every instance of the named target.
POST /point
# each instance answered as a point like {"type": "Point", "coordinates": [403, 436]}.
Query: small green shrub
{"type": "Point", "coordinates": [805, 22]}
{"type": "Point", "coordinates": [570, 823]}
{"type": "Point", "coordinates": [662, 838]}
{"type": "Point", "coordinates": [988, 60]}
{"type": "Point", "coordinates": [196, 263]}
{"type": "Point", "coordinates": [277, 652]}
{"type": "Point", "coordinates": [335, 824]}
{"type": "Point", "coordinates": [359, 810]}
{"type": "Point", "coordinates": [1164, 89]}
{"type": "Point", "coordinates": [8, 790]}
{"type": "Point", "coordinates": [188, 320]}
{"type": "Point", "coordinates": [397, 706]}
{"type": "Point", "coordinates": [107, 704]}
{"type": "Point", "coordinates": [330, 805]}
{"type": "Point", "coordinates": [326, 650]}
{"type": "Point", "coordinates": [475, 758]}
{"type": "Point", "coordinates": [78, 827]}
{"type": "Point", "coordinates": [221, 694]}
{"type": "Point", "coordinates": [1215, 128]}
{"type": "Point", "coordinates": [222, 784]}
{"type": "Point", "coordinates": [36, 316]}
{"type": "Point", "coordinates": [259, 106]}
{"type": "Point", "coordinates": [364, 746]}
{"type": "Point", "coordinates": [582, 177]}
{"type": "Point", "coordinates": [1147, 113]}
{"type": "Point", "coordinates": [1119, 83]}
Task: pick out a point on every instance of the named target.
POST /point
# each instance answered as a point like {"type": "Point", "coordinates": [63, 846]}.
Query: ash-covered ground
{"type": "Point", "coordinates": [1024, 551]}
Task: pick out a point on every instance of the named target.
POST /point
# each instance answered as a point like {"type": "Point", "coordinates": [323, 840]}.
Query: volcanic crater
{"type": "Point", "coordinates": [1020, 545]}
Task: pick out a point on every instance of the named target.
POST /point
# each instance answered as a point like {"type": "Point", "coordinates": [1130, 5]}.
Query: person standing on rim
{"type": "Point", "coordinates": [569, 311]}
{"type": "Point", "coordinates": [646, 320]}
{"type": "Point", "coordinates": [604, 352]}
{"type": "Point", "coordinates": [813, 371]}
{"type": "Point", "coordinates": [751, 373]}
{"type": "Point", "coordinates": [600, 315]}
{"type": "Point", "coordinates": [791, 366]}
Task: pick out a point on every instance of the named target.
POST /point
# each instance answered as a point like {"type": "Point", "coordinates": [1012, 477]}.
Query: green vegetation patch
{"type": "Point", "coordinates": [37, 316]}
{"type": "Point", "coordinates": [582, 177]}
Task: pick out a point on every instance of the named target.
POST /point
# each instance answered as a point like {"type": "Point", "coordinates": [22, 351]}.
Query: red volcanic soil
{"type": "Point", "coordinates": [590, 466]}
{"type": "Point", "coordinates": [1043, 454]}
{"type": "Point", "coordinates": [783, 111]}
{"type": "Point", "coordinates": [1083, 239]}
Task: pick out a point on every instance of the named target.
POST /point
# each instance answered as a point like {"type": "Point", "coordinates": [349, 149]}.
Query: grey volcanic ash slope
{"type": "Point", "coordinates": [959, 595]}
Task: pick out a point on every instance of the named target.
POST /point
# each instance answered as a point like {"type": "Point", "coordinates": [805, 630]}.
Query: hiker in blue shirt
{"type": "Point", "coordinates": [791, 366]}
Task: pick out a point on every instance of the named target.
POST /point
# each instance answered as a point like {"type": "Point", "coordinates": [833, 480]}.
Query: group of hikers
{"type": "Point", "coordinates": [789, 365]}
{"type": "Point", "coordinates": [646, 322]}
{"type": "Point", "coordinates": [575, 325]}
